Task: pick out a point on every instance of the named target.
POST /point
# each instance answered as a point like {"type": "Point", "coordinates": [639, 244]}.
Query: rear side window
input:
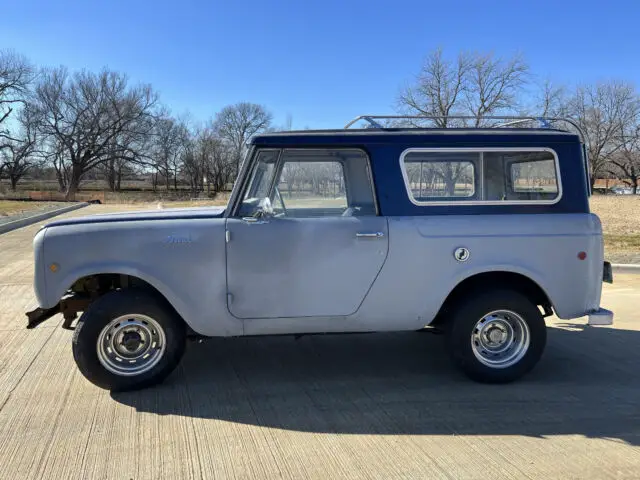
{"type": "Point", "coordinates": [534, 176]}
{"type": "Point", "coordinates": [447, 175]}
{"type": "Point", "coordinates": [481, 176]}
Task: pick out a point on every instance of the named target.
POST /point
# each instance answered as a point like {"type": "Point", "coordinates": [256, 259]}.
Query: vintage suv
{"type": "Point", "coordinates": [480, 232]}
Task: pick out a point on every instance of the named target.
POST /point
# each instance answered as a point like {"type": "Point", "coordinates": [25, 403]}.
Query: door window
{"type": "Point", "coordinates": [311, 183]}
{"type": "Point", "coordinates": [313, 186]}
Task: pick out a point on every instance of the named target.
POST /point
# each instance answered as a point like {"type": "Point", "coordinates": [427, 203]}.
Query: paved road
{"type": "Point", "coordinates": [356, 406]}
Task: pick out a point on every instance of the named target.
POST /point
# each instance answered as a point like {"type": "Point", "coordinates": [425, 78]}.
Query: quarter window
{"type": "Point", "coordinates": [534, 176]}
{"type": "Point", "coordinates": [440, 176]}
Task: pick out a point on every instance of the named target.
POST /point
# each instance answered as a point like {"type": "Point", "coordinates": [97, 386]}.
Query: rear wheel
{"type": "Point", "coordinates": [128, 339]}
{"type": "Point", "coordinates": [496, 337]}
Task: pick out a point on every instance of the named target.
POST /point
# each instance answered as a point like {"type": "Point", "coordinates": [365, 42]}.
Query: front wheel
{"type": "Point", "coordinates": [496, 337]}
{"type": "Point", "coordinates": [128, 339]}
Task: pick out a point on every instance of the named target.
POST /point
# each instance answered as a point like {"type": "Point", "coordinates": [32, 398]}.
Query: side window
{"type": "Point", "coordinates": [522, 176]}
{"type": "Point", "coordinates": [433, 176]}
{"type": "Point", "coordinates": [323, 183]}
{"type": "Point", "coordinates": [534, 177]}
{"type": "Point", "coordinates": [494, 176]}
{"type": "Point", "coordinates": [313, 185]}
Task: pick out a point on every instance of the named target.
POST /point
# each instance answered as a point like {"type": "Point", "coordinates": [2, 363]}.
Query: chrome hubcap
{"type": "Point", "coordinates": [131, 345]}
{"type": "Point", "coordinates": [500, 339]}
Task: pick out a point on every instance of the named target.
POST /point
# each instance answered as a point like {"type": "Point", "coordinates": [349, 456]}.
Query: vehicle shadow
{"type": "Point", "coordinates": [587, 383]}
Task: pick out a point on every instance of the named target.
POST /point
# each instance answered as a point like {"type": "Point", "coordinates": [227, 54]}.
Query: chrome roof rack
{"type": "Point", "coordinates": [506, 121]}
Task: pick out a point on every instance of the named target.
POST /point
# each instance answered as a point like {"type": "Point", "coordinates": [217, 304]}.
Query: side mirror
{"type": "Point", "coordinates": [265, 209]}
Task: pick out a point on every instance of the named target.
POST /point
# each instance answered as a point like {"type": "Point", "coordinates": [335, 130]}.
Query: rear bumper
{"type": "Point", "coordinates": [602, 316]}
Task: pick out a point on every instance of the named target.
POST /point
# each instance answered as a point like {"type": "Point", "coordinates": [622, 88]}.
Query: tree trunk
{"type": "Point", "coordinates": [74, 183]}
{"type": "Point", "coordinates": [118, 179]}
{"type": "Point", "coordinates": [14, 182]}
{"type": "Point", "coordinates": [111, 175]}
{"type": "Point", "coordinates": [111, 181]}
{"type": "Point", "coordinates": [70, 194]}
{"type": "Point", "coordinates": [61, 180]}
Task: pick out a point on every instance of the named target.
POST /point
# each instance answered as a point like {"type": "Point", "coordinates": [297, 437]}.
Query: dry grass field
{"type": "Point", "coordinates": [620, 216]}
{"type": "Point", "coordinates": [13, 207]}
{"type": "Point", "coordinates": [221, 200]}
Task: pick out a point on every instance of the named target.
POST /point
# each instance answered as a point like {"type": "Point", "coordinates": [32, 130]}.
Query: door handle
{"type": "Point", "coordinates": [253, 220]}
{"type": "Point", "coordinates": [369, 235]}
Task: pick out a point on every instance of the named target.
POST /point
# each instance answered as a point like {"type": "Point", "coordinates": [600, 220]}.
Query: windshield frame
{"type": "Point", "coordinates": [246, 175]}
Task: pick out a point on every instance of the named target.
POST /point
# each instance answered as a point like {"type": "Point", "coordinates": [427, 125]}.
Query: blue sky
{"type": "Point", "coordinates": [321, 62]}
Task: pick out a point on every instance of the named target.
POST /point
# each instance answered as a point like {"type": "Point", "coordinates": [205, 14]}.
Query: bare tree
{"type": "Point", "coordinates": [552, 101]}
{"type": "Point", "coordinates": [219, 164]}
{"type": "Point", "coordinates": [92, 118]}
{"type": "Point", "coordinates": [211, 162]}
{"type": "Point", "coordinates": [476, 85]}
{"type": "Point", "coordinates": [168, 145]}
{"type": "Point", "coordinates": [20, 154]}
{"type": "Point", "coordinates": [53, 153]}
{"type": "Point", "coordinates": [494, 86]}
{"type": "Point", "coordinates": [236, 124]}
{"type": "Point", "coordinates": [16, 74]}
{"type": "Point", "coordinates": [438, 89]}
{"type": "Point", "coordinates": [292, 173]}
{"type": "Point", "coordinates": [115, 169]}
{"type": "Point", "coordinates": [602, 111]}
{"type": "Point", "coordinates": [625, 163]}
{"type": "Point", "coordinates": [191, 166]}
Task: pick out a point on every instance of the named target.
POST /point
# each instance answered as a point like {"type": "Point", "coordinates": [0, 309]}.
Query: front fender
{"type": "Point", "coordinates": [191, 274]}
{"type": "Point", "coordinates": [57, 287]}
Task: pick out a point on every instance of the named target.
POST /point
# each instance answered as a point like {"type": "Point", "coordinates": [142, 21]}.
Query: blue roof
{"type": "Point", "coordinates": [416, 135]}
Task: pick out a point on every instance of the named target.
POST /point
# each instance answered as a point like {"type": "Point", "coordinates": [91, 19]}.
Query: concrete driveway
{"type": "Point", "coordinates": [355, 406]}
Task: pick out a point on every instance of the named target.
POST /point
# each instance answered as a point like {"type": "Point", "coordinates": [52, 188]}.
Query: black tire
{"type": "Point", "coordinates": [117, 304]}
{"type": "Point", "coordinates": [462, 323]}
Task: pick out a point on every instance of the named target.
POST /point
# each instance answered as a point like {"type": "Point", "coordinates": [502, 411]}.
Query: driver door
{"type": "Point", "coordinates": [318, 250]}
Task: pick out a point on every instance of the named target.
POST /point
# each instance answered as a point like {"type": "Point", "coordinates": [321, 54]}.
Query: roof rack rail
{"type": "Point", "coordinates": [545, 122]}
{"type": "Point", "coordinates": [507, 121]}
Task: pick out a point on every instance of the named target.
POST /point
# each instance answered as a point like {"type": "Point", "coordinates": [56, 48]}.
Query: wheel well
{"type": "Point", "coordinates": [98, 284]}
{"type": "Point", "coordinates": [86, 290]}
{"type": "Point", "coordinates": [494, 280]}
